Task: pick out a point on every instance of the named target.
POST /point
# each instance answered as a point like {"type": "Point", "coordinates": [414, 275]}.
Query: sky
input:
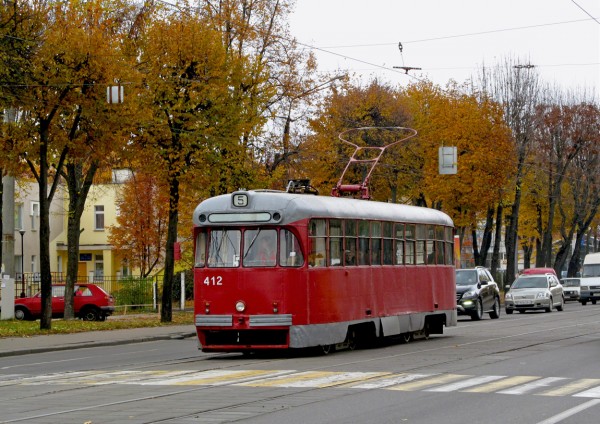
{"type": "Point", "coordinates": [453, 39]}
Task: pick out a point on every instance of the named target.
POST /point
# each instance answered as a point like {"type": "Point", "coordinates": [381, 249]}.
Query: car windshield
{"type": "Point", "coordinates": [466, 277]}
{"type": "Point", "coordinates": [531, 283]}
{"type": "Point", "coordinates": [571, 283]}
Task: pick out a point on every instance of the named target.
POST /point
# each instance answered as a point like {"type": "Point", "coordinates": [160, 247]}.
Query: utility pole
{"type": "Point", "coordinates": [8, 213]}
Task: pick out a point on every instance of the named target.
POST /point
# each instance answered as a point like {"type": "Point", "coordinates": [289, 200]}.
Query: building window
{"type": "Point", "coordinates": [35, 214]}
{"type": "Point", "coordinates": [99, 268]}
{"type": "Point", "coordinates": [98, 217]}
{"type": "Point", "coordinates": [19, 216]}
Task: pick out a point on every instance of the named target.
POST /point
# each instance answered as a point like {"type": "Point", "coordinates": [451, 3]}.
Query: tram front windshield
{"type": "Point", "coordinates": [256, 247]}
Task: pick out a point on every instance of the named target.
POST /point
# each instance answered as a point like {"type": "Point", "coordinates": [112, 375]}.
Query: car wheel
{"type": "Point", "coordinates": [560, 307]}
{"type": "Point", "coordinates": [509, 312]}
{"type": "Point", "coordinates": [21, 314]}
{"type": "Point", "coordinates": [495, 313]}
{"type": "Point", "coordinates": [90, 314]}
{"type": "Point", "coordinates": [478, 313]}
{"type": "Point", "coordinates": [583, 303]}
{"type": "Point", "coordinates": [549, 308]}
{"type": "Point", "coordinates": [593, 302]}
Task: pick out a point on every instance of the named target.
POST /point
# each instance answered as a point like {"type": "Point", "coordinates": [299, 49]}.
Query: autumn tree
{"type": "Point", "coordinates": [140, 233]}
{"type": "Point", "coordinates": [517, 89]}
{"type": "Point", "coordinates": [194, 116]}
{"type": "Point", "coordinates": [472, 123]}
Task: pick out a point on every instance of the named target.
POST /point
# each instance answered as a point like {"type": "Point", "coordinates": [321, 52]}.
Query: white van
{"type": "Point", "coordinates": [590, 279]}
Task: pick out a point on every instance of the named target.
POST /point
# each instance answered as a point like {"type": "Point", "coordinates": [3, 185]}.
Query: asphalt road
{"type": "Point", "coordinates": [534, 368]}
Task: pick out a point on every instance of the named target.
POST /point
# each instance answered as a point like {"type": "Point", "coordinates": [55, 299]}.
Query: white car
{"type": "Point", "coordinates": [530, 292]}
{"type": "Point", "coordinates": [571, 287]}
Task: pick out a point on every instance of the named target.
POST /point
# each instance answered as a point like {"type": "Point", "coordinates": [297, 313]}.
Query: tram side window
{"type": "Point", "coordinates": [290, 254]}
{"type": "Point", "coordinates": [375, 243]}
{"type": "Point", "coordinates": [335, 242]}
{"type": "Point", "coordinates": [350, 242]}
{"type": "Point", "coordinates": [439, 244]}
{"type": "Point", "coordinates": [388, 243]}
{"type": "Point", "coordinates": [410, 253]}
{"type": "Point", "coordinates": [224, 248]}
{"type": "Point", "coordinates": [430, 244]}
{"type": "Point", "coordinates": [200, 249]}
{"type": "Point", "coordinates": [318, 238]}
{"type": "Point", "coordinates": [449, 246]}
{"type": "Point", "coordinates": [260, 248]}
{"type": "Point", "coordinates": [421, 252]}
{"type": "Point", "coordinates": [399, 240]}
{"type": "Point", "coordinates": [363, 243]}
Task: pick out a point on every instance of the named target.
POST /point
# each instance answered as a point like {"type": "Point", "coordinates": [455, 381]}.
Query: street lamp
{"type": "Point", "coordinates": [22, 232]}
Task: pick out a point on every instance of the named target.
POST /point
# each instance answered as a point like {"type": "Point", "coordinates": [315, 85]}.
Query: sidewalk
{"type": "Point", "coordinates": [23, 345]}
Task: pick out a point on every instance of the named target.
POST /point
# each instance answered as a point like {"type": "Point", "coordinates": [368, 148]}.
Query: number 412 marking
{"type": "Point", "coordinates": [213, 281]}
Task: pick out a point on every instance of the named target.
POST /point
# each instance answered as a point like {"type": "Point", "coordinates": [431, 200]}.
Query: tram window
{"type": "Point", "coordinates": [318, 252]}
{"type": "Point", "coordinates": [410, 232]}
{"type": "Point", "coordinates": [260, 248]}
{"type": "Point", "coordinates": [224, 248]}
{"type": "Point", "coordinates": [421, 252]}
{"type": "Point", "coordinates": [350, 234]}
{"type": "Point", "coordinates": [449, 253]}
{"type": "Point", "coordinates": [399, 256]}
{"type": "Point", "coordinates": [200, 249]}
{"type": "Point", "coordinates": [388, 243]}
{"type": "Point", "coordinates": [449, 234]}
{"type": "Point", "coordinates": [409, 257]}
{"type": "Point", "coordinates": [289, 250]}
{"type": "Point", "coordinates": [430, 252]}
{"type": "Point", "coordinates": [350, 228]}
{"type": "Point", "coordinates": [350, 251]}
{"type": "Point", "coordinates": [439, 252]}
{"type": "Point", "coordinates": [439, 232]}
{"type": "Point", "coordinates": [363, 251]}
{"type": "Point", "coordinates": [335, 242]}
{"type": "Point", "coordinates": [375, 243]}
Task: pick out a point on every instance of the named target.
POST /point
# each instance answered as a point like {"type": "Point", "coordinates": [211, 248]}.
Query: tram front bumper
{"type": "Point", "coordinates": [238, 333]}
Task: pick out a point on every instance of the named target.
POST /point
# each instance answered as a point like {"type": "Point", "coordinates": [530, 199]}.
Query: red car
{"type": "Point", "coordinates": [91, 303]}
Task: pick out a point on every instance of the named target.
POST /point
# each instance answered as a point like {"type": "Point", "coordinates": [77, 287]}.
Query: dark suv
{"type": "Point", "coordinates": [477, 293]}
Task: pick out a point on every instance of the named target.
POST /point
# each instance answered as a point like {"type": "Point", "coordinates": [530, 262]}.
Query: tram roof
{"type": "Point", "coordinates": [293, 207]}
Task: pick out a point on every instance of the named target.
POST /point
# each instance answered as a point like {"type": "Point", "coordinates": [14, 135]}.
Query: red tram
{"type": "Point", "coordinates": [279, 270]}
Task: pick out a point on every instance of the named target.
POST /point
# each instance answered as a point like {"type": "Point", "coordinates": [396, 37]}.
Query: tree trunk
{"type": "Point", "coordinates": [166, 313]}
{"type": "Point", "coordinates": [45, 273]}
{"type": "Point", "coordinates": [497, 240]}
{"type": "Point", "coordinates": [79, 188]}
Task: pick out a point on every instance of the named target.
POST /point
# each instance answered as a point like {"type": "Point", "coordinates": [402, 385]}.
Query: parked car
{"type": "Point", "coordinates": [477, 293]}
{"type": "Point", "coordinates": [571, 287]}
{"type": "Point", "coordinates": [590, 279]}
{"type": "Point", "coordinates": [535, 271]}
{"type": "Point", "coordinates": [530, 292]}
{"type": "Point", "coordinates": [90, 303]}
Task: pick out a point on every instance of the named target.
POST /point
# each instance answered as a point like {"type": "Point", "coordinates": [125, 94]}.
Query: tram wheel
{"type": "Point", "coordinates": [351, 340]}
{"type": "Point", "coordinates": [326, 349]}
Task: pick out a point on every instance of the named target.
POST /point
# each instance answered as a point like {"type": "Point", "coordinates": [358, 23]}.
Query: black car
{"type": "Point", "coordinates": [477, 293]}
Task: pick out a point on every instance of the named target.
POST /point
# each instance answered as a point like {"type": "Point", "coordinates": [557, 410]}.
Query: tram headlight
{"type": "Point", "coordinates": [240, 306]}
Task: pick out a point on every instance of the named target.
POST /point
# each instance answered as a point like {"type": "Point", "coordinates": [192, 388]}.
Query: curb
{"type": "Point", "coordinates": [173, 336]}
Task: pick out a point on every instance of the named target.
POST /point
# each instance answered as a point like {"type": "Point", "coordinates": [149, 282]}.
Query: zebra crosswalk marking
{"type": "Point", "coordinates": [320, 379]}
{"type": "Point", "coordinates": [592, 393]}
{"type": "Point", "coordinates": [439, 383]}
{"type": "Point", "coordinates": [528, 387]}
{"type": "Point", "coordinates": [501, 384]}
{"type": "Point", "coordinates": [454, 387]}
{"type": "Point", "coordinates": [572, 387]}
{"type": "Point", "coordinates": [387, 380]}
{"type": "Point", "coordinates": [217, 377]}
{"type": "Point", "coordinates": [428, 382]}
